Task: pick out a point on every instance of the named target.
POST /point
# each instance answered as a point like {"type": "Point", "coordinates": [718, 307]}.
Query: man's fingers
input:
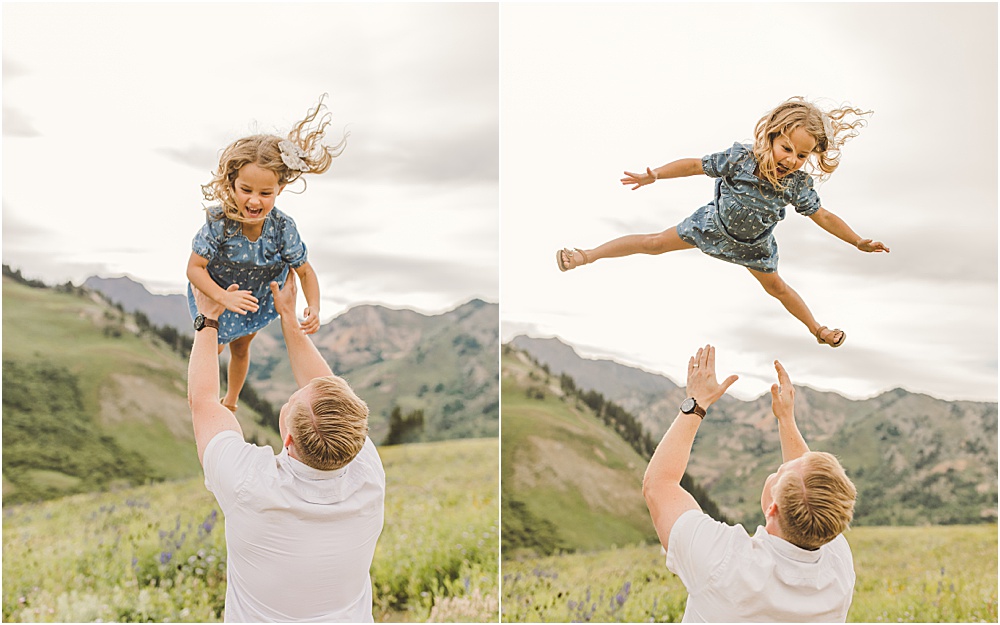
{"type": "Point", "coordinates": [729, 382]}
{"type": "Point", "coordinates": [783, 378]}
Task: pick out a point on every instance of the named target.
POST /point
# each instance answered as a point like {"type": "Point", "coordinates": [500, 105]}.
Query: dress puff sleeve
{"type": "Point", "coordinates": [293, 249]}
{"type": "Point", "coordinates": [208, 240]}
{"type": "Point", "coordinates": [726, 163]}
{"type": "Point", "coordinates": [804, 197]}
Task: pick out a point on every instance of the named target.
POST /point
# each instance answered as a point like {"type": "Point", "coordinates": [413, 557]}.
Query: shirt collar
{"type": "Point", "coordinates": [304, 471]}
{"type": "Point", "coordinates": [787, 549]}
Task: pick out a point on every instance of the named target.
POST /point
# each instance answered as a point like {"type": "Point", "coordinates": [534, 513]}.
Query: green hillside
{"type": "Point", "coordinates": [569, 483]}
{"type": "Point", "coordinates": [90, 401]}
{"type": "Point", "coordinates": [157, 553]}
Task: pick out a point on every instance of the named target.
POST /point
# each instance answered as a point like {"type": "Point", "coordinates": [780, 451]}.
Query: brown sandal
{"type": "Point", "coordinates": [563, 262]}
{"type": "Point", "coordinates": [822, 341]}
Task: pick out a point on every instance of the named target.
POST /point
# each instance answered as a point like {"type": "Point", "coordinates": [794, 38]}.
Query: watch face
{"type": "Point", "coordinates": [687, 406]}
{"type": "Point", "coordinates": [199, 322]}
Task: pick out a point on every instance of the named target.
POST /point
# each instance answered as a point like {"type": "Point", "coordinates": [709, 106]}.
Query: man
{"type": "Point", "coordinates": [798, 567]}
{"type": "Point", "coordinates": [301, 526]}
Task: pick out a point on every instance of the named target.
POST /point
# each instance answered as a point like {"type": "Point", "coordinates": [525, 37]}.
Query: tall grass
{"type": "Point", "coordinates": [926, 574]}
{"type": "Point", "coordinates": [157, 553]}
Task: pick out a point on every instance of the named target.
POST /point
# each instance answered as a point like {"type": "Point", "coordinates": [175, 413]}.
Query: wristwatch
{"type": "Point", "coordinates": [690, 405]}
{"type": "Point", "coordinates": [201, 321]}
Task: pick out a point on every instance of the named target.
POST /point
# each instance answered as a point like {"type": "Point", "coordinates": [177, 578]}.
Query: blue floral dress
{"type": "Point", "coordinates": [737, 224]}
{"type": "Point", "coordinates": [235, 259]}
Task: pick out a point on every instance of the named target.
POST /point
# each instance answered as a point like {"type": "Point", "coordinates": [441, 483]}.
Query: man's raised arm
{"type": "Point", "coordinates": [307, 363]}
{"type": "Point", "coordinates": [783, 406]}
{"type": "Point", "coordinates": [661, 485]}
{"type": "Point", "coordinates": [208, 416]}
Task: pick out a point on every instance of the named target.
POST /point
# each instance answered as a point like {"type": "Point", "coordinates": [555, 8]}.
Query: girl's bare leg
{"type": "Point", "coordinates": [792, 301]}
{"type": "Point", "coordinates": [658, 243]}
{"type": "Point", "coordinates": [239, 365]}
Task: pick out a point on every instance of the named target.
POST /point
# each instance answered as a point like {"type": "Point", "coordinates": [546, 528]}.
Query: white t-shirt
{"type": "Point", "coordinates": [299, 541]}
{"type": "Point", "coordinates": [731, 577]}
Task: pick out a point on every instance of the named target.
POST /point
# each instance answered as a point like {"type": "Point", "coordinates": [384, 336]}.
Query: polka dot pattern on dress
{"type": "Point", "coordinates": [235, 259]}
{"type": "Point", "coordinates": [736, 226]}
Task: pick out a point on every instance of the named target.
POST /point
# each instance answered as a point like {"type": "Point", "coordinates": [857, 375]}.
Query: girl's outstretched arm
{"type": "Point", "coordinates": [839, 228]}
{"type": "Point", "coordinates": [310, 288]}
{"type": "Point", "coordinates": [676, 169]}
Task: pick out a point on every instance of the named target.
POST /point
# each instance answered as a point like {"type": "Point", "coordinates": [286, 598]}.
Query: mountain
{"type": "Point", "coordinates": [915, 459]}
{"type": "Point", "coordinates": [162, 310]}
{"type": "Point", "coordinates": [443, 365]}
{"type": "Point", "coordinates": [568, 481]}
{"type": "Point", "coordinates": [440, 367]}
{"type": "Point", "coordinates": [90, 400]}
{"type": "Point", "coordinates": [647, 397]}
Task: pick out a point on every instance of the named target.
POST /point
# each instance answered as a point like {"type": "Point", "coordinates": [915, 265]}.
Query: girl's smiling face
{"type": "Point", "coordinates": [790, 152]}
{"type": "Point", "coordinates": [255, 190]}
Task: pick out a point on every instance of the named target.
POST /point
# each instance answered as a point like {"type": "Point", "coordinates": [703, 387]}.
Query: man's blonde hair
{"type": "Point", "coordinates": [330, 427]}
{"type": "Point", "coordinates": [817, 504]}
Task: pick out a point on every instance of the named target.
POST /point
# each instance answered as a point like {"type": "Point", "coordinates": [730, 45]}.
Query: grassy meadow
{"type": "Point", "coordinates": [904, 574]}
{"type": "Point", "coordinates": [157, 553]}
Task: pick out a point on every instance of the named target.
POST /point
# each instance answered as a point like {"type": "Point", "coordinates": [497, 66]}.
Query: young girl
{"type": "Point", "coordinates": [246, 242]}
{"type": "Point", "coordinates": [754, 184]}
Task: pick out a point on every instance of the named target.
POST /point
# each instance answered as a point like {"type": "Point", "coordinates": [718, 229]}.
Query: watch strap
{"type": "Point", "coordinates": [695, 408]}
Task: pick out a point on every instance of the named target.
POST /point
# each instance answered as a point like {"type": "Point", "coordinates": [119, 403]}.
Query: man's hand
{"type": "Point", "coordinates": [701, 380]}
{"type": "Point", "coordinates": [783, 395]}
{"type": "Point", "coordinates": [284, 298]}
{"type": "Point", "coordinates": [208, 306]}
{"type": "Point", "coordinates": [783, 406]}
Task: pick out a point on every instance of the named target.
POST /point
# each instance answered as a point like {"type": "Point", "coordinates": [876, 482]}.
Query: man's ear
{"type": "Point", "coordinates": [288, 440]}
{"type": "Point", "coordinates": [772, 510]}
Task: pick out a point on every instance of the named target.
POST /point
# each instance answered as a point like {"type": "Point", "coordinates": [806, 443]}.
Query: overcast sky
{"type": "Point", "coordinates": [591, 90]}
{"type": "Point", "coordinates": [115, 114]}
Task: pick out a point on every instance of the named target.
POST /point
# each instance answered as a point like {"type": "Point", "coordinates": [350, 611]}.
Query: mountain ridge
{"type": "Point", "coordinates": [915, 458]}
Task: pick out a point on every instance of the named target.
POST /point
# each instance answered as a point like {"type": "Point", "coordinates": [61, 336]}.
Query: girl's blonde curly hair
{"type": "Point", "coordinates": [831, 129]}
{"type": "Point", "coordinates": [263, 150]}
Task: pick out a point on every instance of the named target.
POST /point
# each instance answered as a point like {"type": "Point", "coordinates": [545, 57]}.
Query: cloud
{"type": "Point", "coordinates": [407, 275]}
{"type": "Point", "coordinates": [12, 69]}
{"type": "Point", "coordinates": [17, 124]}
{"type": "Point", "coordinates": [40, 264]}
{"type": "Point", "coordinates": [465, 156]}
{"type": "Point", "coordinates": [200, 157]}
{"type": "Point", "coordinates": [18, 232]}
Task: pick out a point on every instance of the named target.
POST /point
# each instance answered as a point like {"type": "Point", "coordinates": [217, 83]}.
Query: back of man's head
{"type": "Point", "coordinates": [816, 504]}
{"type": "Point", "coordinates": [329, 424]}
